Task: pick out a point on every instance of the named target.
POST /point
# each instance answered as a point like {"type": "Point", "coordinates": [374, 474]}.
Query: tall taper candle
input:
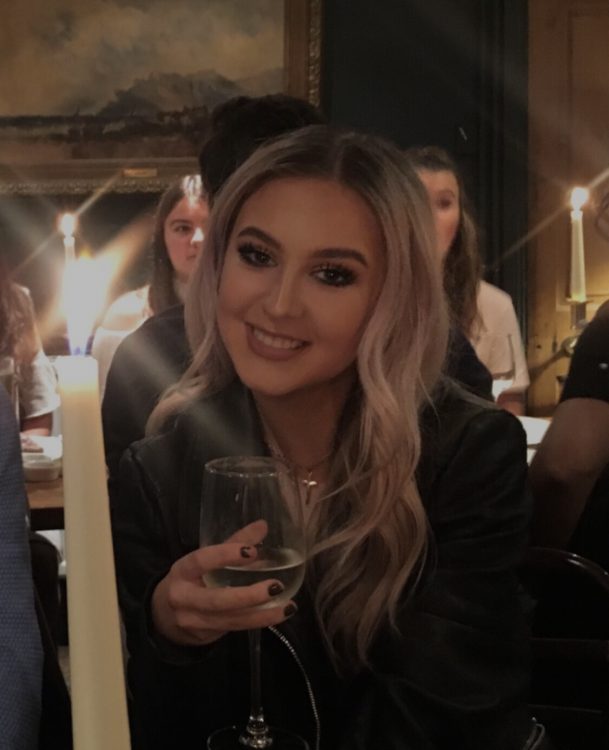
{"type": "Point", "coordinates": [577, 285]}
{"type": "Point", "coordinates": [99, 707]}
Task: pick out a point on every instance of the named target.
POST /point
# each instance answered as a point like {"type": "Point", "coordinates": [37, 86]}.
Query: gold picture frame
{"type": "Point", "coordinates": [85, 171]}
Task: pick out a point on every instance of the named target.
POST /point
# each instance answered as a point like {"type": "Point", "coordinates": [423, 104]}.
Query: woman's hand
{"type": "Point", "coordinates": [187, 612]}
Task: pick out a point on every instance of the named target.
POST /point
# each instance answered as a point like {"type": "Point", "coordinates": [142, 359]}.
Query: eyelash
{"type": "Point", "coordinates": [336, 274]}
{"type": "Point", "coordinates": [254, 255]}
{"type": "Point", "coordinates": [330, 274]}
{"type": "Point", "coordinates": [444, 204]}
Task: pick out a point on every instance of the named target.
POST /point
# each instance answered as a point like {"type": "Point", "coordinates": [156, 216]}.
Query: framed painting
{"type": "Point", "coordinates": [115, 94]}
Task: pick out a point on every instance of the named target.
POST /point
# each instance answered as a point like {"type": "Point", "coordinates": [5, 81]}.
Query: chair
{"type": "Point", "coordinates": [570, 647]}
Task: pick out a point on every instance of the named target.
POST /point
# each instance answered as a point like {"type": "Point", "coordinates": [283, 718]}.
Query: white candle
{"type": "Point", "coordinates": [67, 225]}
{"type": "Point", "coordinates": [99, 707]}
{"type": "Point", "coordinates": [577, 285]}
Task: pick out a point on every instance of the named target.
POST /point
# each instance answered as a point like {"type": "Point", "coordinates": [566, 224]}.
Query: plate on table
{"type": "Point", "coordinates": [535, 428]}
{"type": "Point", "coordinates": [41, 457]}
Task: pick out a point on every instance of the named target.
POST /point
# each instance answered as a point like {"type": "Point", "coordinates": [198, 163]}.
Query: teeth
{"type": "Point", "coordinates": [278, 342]}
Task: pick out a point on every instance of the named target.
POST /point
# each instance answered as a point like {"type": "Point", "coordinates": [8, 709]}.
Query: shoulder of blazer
{"type": "Point", "coordinates": [223, 424]}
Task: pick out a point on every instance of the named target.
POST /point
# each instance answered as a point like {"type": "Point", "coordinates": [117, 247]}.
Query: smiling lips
{"type": "Point", "coordinates": [267, 343]}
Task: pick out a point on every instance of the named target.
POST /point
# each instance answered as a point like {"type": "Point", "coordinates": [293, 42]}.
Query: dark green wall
{"type": "Point", "coordinates": [445, 72]}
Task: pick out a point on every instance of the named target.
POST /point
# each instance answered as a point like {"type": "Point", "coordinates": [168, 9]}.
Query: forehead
{"type": "Point", "coordinates": [313, 211]}
{"type": "Point", "coordinates": [185, 210]}
{"type": "Point", "coordinates": [441, 181]}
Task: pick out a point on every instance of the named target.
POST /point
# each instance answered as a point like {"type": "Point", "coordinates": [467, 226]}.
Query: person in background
{"type": "Point", "coordinates": [155, 356]}
{"type": "Point", "coordinates": [569, 474]}
{"type": "Point", "coordinates": [20, 342]}
{"type": "Point", "coordinates": [179, 228]}
{"type": "Point", "coordinates": [21, 654]}
{"type": "Point", "coordinates": [484, 313]}
{"type": "Point", "coordinates": [317, 320]}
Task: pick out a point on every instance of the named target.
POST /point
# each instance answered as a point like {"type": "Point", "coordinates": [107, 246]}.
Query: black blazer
{"type": "Point", "coordinates": [456, 673]}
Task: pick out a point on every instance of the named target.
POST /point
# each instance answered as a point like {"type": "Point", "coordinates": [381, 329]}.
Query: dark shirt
{"type": "Point", "coordinates": [146, 363]}
{"type": "Point", "coordinates": [463, 365]}
{"type": "Point", "coordinates": [589, 372]}
{"type": "Point", "coordinates": [20, 646]}
{"type": "Point", "coordinates": [589, 378]}
{"type": "Point", "coordinates": [454, 674]}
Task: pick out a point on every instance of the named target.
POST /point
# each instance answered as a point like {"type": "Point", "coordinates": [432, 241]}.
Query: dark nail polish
{"type": "Point", "coordinates": [275, 589]}
{"type": "Point", "coordinates": [290, 610]}
{"type": "Point", "coordinates": [246, 551]}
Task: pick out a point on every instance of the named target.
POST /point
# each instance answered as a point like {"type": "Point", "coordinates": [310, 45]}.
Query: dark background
{"type": "Point", "coordinates": [451, 73]}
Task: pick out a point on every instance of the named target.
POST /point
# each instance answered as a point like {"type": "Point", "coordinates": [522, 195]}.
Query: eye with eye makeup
{"type": "Point", "coordinates": [334, 274]}
{"type": "Point", "coordinates": [255, 255]}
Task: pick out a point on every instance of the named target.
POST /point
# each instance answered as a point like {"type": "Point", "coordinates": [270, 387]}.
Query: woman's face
{"type": "Point", "coordinates": [302, 271]}
{"type": "Point", "coordinates": [443, 191]}
{"type": "Point", "coordinates": [183, 234]}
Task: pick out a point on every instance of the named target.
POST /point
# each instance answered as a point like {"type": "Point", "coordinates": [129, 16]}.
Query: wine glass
{"type": "Point", "coordinates": [254, 500]}
{"type": "Point", "coordinates": [502, 363]}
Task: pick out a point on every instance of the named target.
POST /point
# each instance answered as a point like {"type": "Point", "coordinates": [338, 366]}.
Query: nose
{"type": "Point", "coordinates": [197, 236]}
{"type": "Point", "coordinates": [284, 298]}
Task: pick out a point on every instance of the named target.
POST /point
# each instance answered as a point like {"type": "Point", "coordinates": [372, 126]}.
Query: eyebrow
{"type": "Point", "coordinates": [329, 253]}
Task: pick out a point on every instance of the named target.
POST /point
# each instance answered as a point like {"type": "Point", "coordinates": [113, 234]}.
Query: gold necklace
{"type": "Point", "coordinates": [307, 481]}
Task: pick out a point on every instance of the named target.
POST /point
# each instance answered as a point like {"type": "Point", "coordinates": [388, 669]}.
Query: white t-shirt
{"type": "Point", "coordinates": [123, 316]}
{"type": "Point", "coordinates": [497, 319]}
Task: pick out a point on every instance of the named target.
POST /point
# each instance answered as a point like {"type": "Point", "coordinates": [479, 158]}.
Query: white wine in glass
{"type": "Point", "coordinates": [254, 500]}
{"type": "Point", "coordinates": [283, 564]}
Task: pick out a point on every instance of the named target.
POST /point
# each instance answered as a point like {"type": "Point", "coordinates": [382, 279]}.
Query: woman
{"type": "Point", "coordinates": [21, 348]}
{"type": "Point", "coordinates": [484, 313]}
{"type": "Point", "coordinates": [317, 323]}
{"type": "Point", "coordinates": [177, 239]}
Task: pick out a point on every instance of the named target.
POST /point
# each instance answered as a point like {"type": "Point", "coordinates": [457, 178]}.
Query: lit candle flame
{"type": "Point", "coordinates": [197, 236]}
{"type": "Point", "coordinates": [67, 224]}
{"type": "Point", "coordinates": [192, 187]}
{"type": "Point", "coordinates": [579, 196]}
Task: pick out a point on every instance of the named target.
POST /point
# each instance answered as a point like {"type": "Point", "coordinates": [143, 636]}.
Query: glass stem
{"type": "Point", "coordinates": [256, 733]}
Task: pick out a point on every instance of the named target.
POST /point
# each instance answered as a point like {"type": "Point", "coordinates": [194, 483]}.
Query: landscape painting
{"type": "Point", "coordinates": [114, 79]}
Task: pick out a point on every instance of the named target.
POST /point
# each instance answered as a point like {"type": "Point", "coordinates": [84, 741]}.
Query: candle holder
{"type": "Point", "coordinates": [578, 323]}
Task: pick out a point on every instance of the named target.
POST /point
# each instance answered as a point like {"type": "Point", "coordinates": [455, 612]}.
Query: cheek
{"type": "Point", "coordinates": [342, 325]}
{"type": "Point", "coordinates": [446, 229]}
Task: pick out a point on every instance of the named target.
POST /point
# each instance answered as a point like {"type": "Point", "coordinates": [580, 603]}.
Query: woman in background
{"type": "Point", "coordinates": [21, 346]}
{"type": "Point", "coordinates": [177, 238]}
{"type": "Point", "coordinates": [484, 313]}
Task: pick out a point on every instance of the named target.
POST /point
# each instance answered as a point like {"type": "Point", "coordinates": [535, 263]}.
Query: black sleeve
{"type": "Point", "coordinates": [146, 363]}
{"type": "Point", "coordinates": [179, 694]}
{"type": "Point", "coordinates": [463, 365]}
{"type": "Point", "coordinates": [456, 673]}
{"type": "Point", "coordinates": [589, 372]}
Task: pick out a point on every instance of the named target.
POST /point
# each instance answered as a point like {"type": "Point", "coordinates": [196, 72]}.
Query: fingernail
{"type": "Point", "coordinates": [275, 589]}
{"type": "Point", "coordinates": [246, 551]}
{"type": "Point", "coordinates": [290, 610]}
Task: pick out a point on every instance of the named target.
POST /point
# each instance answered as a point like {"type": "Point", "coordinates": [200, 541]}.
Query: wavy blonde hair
{"type": "Point", "coordinates": [370, 538]}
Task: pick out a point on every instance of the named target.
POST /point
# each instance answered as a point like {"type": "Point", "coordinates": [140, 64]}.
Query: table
{"type": "Point", "coordinates": [46, 504]}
